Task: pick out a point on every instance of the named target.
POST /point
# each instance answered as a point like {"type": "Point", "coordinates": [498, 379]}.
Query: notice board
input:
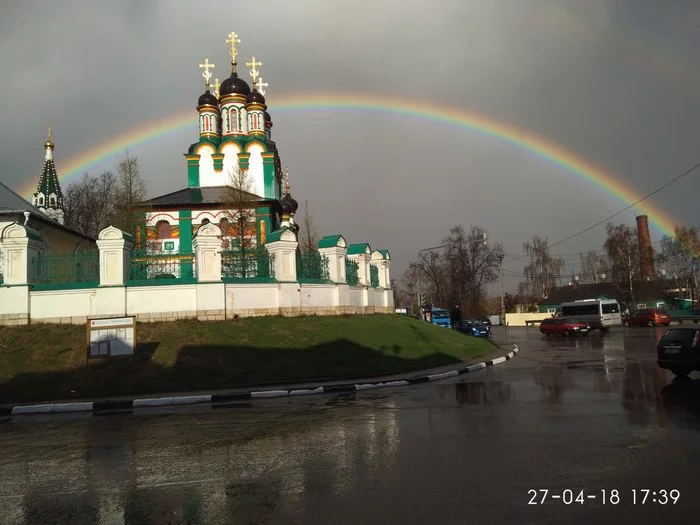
{"type": "Point", "coordinates": [111, 337]}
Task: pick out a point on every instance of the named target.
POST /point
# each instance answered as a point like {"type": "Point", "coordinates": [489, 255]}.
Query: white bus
{"type": "Point", "coordinates": [599, 313]}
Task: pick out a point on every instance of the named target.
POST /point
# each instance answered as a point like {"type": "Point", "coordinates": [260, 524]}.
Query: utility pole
{"type": "Point", "coordinates": [503, 303]}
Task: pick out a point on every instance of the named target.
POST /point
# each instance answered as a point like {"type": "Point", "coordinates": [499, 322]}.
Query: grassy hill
{"type": "Point", "coordinates": [47, 362]}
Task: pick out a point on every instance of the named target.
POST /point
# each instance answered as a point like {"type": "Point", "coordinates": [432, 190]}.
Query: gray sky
{"type": "Point", "coordinates": [616, 83]}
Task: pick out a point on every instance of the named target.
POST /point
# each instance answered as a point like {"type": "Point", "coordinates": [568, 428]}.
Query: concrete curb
{"type": "Point", "coordinates": [221, 400]}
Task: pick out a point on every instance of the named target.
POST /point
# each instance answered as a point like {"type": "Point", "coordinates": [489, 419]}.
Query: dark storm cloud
{"type": "Point", "coordinates": [614, 82]}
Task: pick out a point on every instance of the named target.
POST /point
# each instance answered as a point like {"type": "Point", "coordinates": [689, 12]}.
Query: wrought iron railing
{"type": "Point", "coordinates": [373, 276]}
{"type": "Point", "coordinates": [154, 263]}
{"type": "Point", "coordinates": [311, 265]}
{"type": "Point", "coordinates": [81, 267]}
{"type": "Point", "coordinates": [255, 263]}
{"type": "Point", "coordinates": [351, 268]}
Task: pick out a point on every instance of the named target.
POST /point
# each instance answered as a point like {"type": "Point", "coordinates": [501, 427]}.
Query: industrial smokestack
{"type": "Point", "coordinates": [646, 254]}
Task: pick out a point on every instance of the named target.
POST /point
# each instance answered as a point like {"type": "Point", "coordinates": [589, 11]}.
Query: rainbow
{"type": "Point", "coordinates": [526, 141]}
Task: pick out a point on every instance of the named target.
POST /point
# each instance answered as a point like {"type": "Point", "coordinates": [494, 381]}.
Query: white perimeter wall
{"type": "Point", "coordinates": [206, 301]}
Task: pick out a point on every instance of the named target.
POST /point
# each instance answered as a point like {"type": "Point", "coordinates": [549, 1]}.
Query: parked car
{"type": "Point", "coordinates": [561, 325]}
{"type": "Point", "coordinates": [440, 317]}
{"type": "Point", "coordinates": [679, 350]}
{"type": "Point", "coordinates": [485, 320]}
{"type": "Point", "coordinates": [647, 317]}
{"type": "Point", "coordinates": [474, 327]}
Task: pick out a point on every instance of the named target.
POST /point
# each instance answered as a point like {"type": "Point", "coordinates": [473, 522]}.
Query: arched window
{"type": "Point", "coordinates": [163, 230]}
{"type": "Point", "coordinates": [233, 115]}
{"type": "Point", "coordinates": [225, 227]}
{"type": "Point", "coordinates": [255, 121]}
{"type": "Point", "coordinates": [41, 201]}
{"type": "Point", "coordinates": [53, 201]}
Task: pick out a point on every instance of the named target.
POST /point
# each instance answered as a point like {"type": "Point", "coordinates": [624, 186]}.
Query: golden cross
{"type": "Point", "coordinates": [260, 85]}
{"type": "Point", "coordinates": [216, 87]}
{"type": "Point", "coordinates": [206, 73]}
{"type": "Point", "coordinates": [233, 40]}
{"type": "Point", "coordinates": [48, 131]}
{"type": "Point", "coordinates": [254, 68]}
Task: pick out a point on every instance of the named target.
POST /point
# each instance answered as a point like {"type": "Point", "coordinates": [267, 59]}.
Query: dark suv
{"type": "Point", "coordinates": [679, 350]}
{"type": "Point", "coordinates": [647, 317]}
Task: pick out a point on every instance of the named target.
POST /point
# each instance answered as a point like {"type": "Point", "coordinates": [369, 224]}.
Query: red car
{"type": "Point", "coordinates": [647, 317]}
{"type": "Point", "coordinates": [559, 325]}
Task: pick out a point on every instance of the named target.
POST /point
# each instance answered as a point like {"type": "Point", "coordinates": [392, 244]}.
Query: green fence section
{"type": "Point", "coordinates": [351, 268]}
{"type": "Point", "coordinates": [252, 265]}
{"type": "Point", "coordinates": [76, 269]}
{"type": "Point", "coordinates": [312, 266]}
{"type": "Point", "coordinates": [373, 276]}
{"type": "Point", "coordinates": [155, 265]}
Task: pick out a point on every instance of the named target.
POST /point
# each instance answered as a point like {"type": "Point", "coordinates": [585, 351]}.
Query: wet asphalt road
{"type": "Point", "coordinates": [588, 414]}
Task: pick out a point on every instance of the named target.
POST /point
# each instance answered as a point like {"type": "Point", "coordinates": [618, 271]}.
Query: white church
{"type": "Point", "coordinates": [223, 245]}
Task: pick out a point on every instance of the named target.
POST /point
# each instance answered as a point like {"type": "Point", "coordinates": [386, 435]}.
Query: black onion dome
{"type": "Point", "coordinates": [235, 85]}
{"type": "Point", "coordinates": [289, 205]}
{"type": "Point", "coordinates": [207, 99]}
{"type": "Point", "coordinates": [256, 96]}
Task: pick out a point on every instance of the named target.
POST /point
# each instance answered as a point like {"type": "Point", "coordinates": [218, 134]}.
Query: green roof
{"type": "Point", "coordinates": [276, 235]}
{"type": "Point", "coordinates": [385, 254]}
{"type": "Point", "coordinates": [354, 249]}
{"type": "Point", "coordinates": [329, 241]}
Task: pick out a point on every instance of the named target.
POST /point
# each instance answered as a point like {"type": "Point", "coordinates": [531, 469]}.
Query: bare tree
{"type": "Point", "coordinates": [593, 267]}
{"type": "Point", "coordinates": [622, 248]}
{"type": "Point", "coordinates": [679, 256]}
{"type": "Point", "coordinates": [240, 202]}
{"type": "Point", "coordinates": [472, 263]}
{"type": "Point", "coordinates": [308, 234]}
{"type": "Point", "coordinates": [409, 285]}
{"type": "Point", "coordinates": [543, 270]}
{"type": "Point", "coordinates": [90, 203]}
{"type": "Point", "coordinates": [130, 193]}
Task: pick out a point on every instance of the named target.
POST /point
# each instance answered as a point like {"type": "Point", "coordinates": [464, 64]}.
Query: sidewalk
{"type": "Point", "coordinates": [233, 395]}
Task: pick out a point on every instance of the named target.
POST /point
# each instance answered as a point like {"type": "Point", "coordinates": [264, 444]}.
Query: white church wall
{"type": "Point", "coordinates": [62, 306]}
{"type": "Point", "coordinates": [318, 298]}
{"type": "Point", "coordinates": [246, 300]}
{"type": "Point", "coordinates": [207, 175]}
{"type": "Point", "coordinates": [356, 296]}
{"type": "Point", "coordinates": [156, 302]}
{"type": "Point", "coordinates": [255, 168]}
{"type": "Point", "coordinates": [14, 305]}
{"type": "Point", "coordinates": [230, 152]}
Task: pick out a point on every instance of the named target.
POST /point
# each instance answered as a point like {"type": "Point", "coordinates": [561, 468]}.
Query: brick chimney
{"type": "Point", "coordinates": [646, 254]}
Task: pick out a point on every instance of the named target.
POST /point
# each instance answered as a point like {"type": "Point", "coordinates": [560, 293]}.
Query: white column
{"type": "Point", "coordinates": [381, 260]}
{"type": "Point", "coordinates": [207, 253]}
{"type": "Point", "coordinates": [115, 251]}
{"type": "Point", "coordinates": [20, 245]}
{"type": "Point", "coordinates": [362, 260]}
{"type": "Point", "coordinates": [282, 247]}
{"type": "Point", "coordinates": [336, 257]}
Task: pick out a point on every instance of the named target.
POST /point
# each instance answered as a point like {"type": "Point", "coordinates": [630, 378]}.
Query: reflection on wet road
{"type": "Point", "coordinates": [592, 413]}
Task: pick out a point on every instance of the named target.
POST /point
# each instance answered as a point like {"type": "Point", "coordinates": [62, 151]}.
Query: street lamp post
{"type": "Point", "coordinates": [503, 303]}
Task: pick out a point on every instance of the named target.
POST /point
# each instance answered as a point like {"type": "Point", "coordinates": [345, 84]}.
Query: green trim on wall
{"type": "Point", "coordinates": [262, 216]}
{"type": "Point", "coordinates": [161, 282]}
{"type": "Point", "coordinates": [64, 286]}
{"type": "Point", "coordinates": [355, 249]}
{"type": "Point", "coordinates": [243, 160]}
{"type": "Point", "coordinates": [329, 241]}
{"type": "Point", "coordinates": [269, 175]}
{"type": "Point", "coordinates": [186, 268]}
{"type": "Point", "coordinates": [218, 159]}
{"type": "Point", "coordinates": [252, 280]}
{"type": "Point", "coordinates": [193, 171]}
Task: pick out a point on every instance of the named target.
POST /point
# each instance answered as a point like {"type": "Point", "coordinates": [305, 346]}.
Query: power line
{"type": "Point", "coordinates": [657, 190]}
